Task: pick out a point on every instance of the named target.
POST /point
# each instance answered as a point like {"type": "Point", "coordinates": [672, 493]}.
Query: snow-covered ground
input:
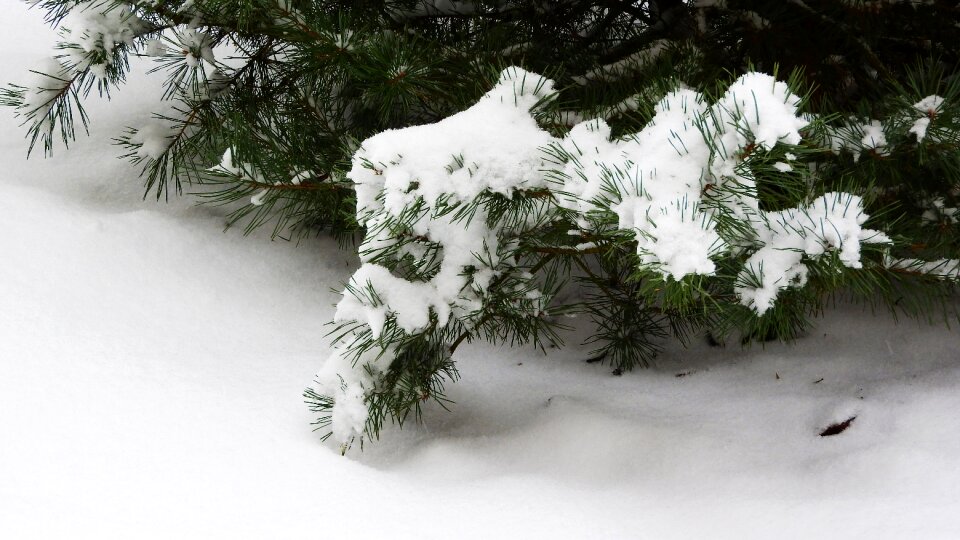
{"type": "Point", "coordinates": [151, 367]}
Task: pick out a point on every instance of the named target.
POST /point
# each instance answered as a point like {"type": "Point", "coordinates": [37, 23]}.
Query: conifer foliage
{"type": "Point", "coordinates": [660, 168]}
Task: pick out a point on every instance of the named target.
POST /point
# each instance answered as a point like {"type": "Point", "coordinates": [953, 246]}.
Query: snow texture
{"type": "Point", "coordinates": [857, 137]}
{"type": "Point", "coordinates": [44, 84]}
{"type": "Point", "coordinates": [658, 177]}
{"type": "Point", "coordinates": [782, 167]}
{"type": "Point", "coordinates": [942, 268]}
{"type": "Point", "coordinates": [153, 139]}
{"type": "Point", "coordinates": [929, 107]}
{"type": "Point", "coordinates": [831, 223]}
{"type": "Point", "coordinates": [198, 46]}
{"type": "Point", "coordinates": [92, 30]}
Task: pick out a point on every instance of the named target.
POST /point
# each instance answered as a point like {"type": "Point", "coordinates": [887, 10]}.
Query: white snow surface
{"type": "Point", "coordinates": [151, 369]}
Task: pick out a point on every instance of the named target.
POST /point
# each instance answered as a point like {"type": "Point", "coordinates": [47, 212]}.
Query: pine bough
{"type": "Point", "coordinates": [455, 213]}
{"type": "Point", "coordinates": [499, 221]}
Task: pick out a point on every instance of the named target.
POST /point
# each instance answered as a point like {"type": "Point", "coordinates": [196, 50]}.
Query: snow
{"type": "Point", "coordinates": [656, 180]}
{"type": "Point", "coordinates": [195, 41]}
{"type": "Point", "coordinates": [43, 84]}
{"type": "Point", "coordinates": [858, 136]}
{"type": "Point", "coordinates": [151, 368]}
{"type": "Point", "coordinates": [153, 139]}
{"type": "Point", "coordinates": [873, 136]}
{"type": "Point", "coordinates": [928, 107]}
{"type": "Point", "coordinates": [409, 302]}
{"type": "Point", "coordinates": [919, 128]}
{"type": "Point", "coordinates": [93, 29]}
{"type": "Point", "coordinates": [492, 146]}
{"type": "Point", "coordinates": [155, 47]}
{"type": "Point", "coordinates": [658, 173]}
{"type": "Point", "coordinates": [830, 223]}
{"type": "Point", "coordinates": [942, 268]}
{"type": "Point", "coordinates": [782, 167]}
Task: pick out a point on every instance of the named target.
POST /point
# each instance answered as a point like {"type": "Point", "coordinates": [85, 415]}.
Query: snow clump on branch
{"type": "Point", "coordinates": [93, 29]}
{"type": "Point", "coordinates": [670, 185]}
{"type": "Point", "coordinates": [415, 179]}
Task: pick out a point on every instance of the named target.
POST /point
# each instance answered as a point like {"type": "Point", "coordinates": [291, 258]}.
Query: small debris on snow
{"type": "Point", "coordinates": [838, 428]}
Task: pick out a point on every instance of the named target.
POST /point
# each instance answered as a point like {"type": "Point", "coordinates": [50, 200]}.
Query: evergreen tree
{"type": "Point", "coordinates": [662, 167]}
